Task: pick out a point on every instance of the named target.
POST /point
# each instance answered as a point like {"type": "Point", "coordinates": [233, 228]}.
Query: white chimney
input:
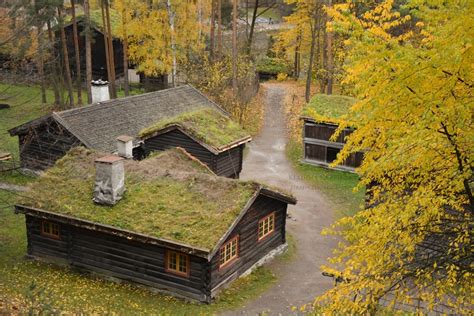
{"type": "Point", "coordinates": [125, 146]}
{"type": "Point", "coordinates": [100, 91]}
{"type": "Point", "coordinates": [109, 180]}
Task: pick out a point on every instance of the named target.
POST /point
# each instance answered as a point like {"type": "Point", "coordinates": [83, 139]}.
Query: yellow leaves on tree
{"type": "Point", "coordinates": [151, 35]}
{"type": "Point", "coordinates": [413, 73]}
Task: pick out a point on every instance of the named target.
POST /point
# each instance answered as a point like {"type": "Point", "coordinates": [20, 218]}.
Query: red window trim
{"type": "Point", "coordinates": [45, 234]}
{"type": "Point", "coordinates": [231, 261]}
{"type": "Point", "coordinates": [269, 233]}
{"type": "Point", "coordinates": [179, 273]}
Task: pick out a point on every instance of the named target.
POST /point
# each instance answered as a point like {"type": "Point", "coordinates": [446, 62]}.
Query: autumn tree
{"type": "Point", "coordinates": [412, 243]}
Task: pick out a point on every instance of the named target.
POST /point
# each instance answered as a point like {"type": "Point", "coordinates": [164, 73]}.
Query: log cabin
{"type": "Point", "coordinates": [321, 117]}
{"type": "Point", "coordinates": [97, 126]}
{"type": "Point", "coordinates": [166, 222]}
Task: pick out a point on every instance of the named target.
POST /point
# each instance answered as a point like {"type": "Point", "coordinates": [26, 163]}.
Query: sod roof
{"type": "Point", "coordinates": [206, 125]}
{"type": "Point", "coordinates": [169, 195]}
{"type": "Point", "coordinates": [328, 108]}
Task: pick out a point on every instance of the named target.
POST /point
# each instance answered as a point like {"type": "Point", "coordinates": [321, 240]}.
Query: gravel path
{"type": "Point", "coordinates": [300, 279]}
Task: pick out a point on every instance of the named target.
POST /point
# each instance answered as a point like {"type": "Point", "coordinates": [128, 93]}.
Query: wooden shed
{"type": "Point", "coordinates": [206, 134]}
{"type": "Point", "coordinates": [97, 126]}
{"type": "Point", "coordinates": [322, 116]}
{"type": "Point", "coordinates": [192, 234]}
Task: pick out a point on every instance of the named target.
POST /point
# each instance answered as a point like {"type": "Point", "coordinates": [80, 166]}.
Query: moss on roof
{"type": "Point", "coordinates": [328, 108]}
{"type": "Point", "coordinates": [190, 206]}
{"type": "Point", "coordinates": [207, 125]}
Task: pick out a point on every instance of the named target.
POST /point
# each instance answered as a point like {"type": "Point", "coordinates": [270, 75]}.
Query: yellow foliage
{"type": "Point", "coordinates": [413, 243]}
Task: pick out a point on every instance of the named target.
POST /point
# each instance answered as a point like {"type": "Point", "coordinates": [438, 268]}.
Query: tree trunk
{"type": "Point", "coordinates": [252, 28]}
{"type": "Point", "coordinates": [297, 57]}
{"type": "Point", "coordinates": [106, 45]}
{"type": "Point", "coordinates": [40, 63]}
{"type": "Point", "coordinates": [66, 59]}
{"type": "Point", "coordinates": [111, 52]}
{"type": "Point", "coordinates": [88, 51]}
{"type": "Point", "coordinates": [330, 60]}
{"type": "Point", "coordinates": [322, 25]}
{"type": "Point", "coordinates": [125, 52]}
{"type": "Point", "coordinates": [76, 50]}
{"type": "Point", "coordinates": [171, 16]}
{"type": "Point", "coordinates": [213, 26]}
{"type": "Point", "coordinates": [311, 60]}
{"type": "Point", "coordinates": [54, 67]}
{"type": "Point", "coordinates": [219, 27]}
{"type": "Point", "coordinates": [234, 47]}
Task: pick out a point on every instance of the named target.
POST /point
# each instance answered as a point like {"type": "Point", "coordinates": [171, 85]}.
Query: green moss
{"type": "Point", "coordinates": [207, 125]}
{"type": "Point", "coordinates": [189, 206]}
{"type": "Point", "coordinates": [270, 65]}
{"type": "Point", "coordinates": [328, 108]}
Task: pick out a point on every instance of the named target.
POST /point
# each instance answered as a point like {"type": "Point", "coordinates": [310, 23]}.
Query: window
{"type": "Point", "coordinates": [177, 263]}
{"type": "Point", "coordinates": [49, 229]}
{"type": "Point", "coordinates": [229, 251]}
{"type": "Point", "coordinates": [266, 226]}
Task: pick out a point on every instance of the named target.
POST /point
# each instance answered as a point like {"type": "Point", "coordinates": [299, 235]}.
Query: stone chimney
{"type": "Point", "coordinates": [109, 180]}
{"type": "Point", "coordinates": [125, 146]}
{"type": "Point", "coordinates": [100, 91]}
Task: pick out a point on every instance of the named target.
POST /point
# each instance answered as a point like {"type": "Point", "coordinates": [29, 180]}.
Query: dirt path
{"type": "Point", "coordinates": [300, 279]}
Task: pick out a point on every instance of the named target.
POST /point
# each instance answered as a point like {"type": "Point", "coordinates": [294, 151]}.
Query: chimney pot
{"type": "Point", "coordinates": [109, 180]}
{"type": "Point", "coordinates": [125, 146]}
{"type": "Point", "coordinates": [100, 91]}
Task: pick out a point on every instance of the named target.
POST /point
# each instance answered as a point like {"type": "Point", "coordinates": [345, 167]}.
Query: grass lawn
{"type": "Point", "coordinates": [27, 284]}
{"type": "Point", "coordinates": [337, 185]}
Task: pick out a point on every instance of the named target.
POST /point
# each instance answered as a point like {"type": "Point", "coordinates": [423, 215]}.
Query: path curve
{"type": "Point", "coordinates": [300, 279]}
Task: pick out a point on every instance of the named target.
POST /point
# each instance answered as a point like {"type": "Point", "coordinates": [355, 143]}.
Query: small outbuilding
{"type": "Point", "coordinates": [166, 222]}
{"type": "Point", "coordinates": [188, 120]}
{"type": "Point", "coordinates": [322, 116]}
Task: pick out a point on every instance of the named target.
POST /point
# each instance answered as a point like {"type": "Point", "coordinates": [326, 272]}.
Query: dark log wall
{"type": "Point", "coordinates": [118, 257]}
{"type": "Point", "coordinates": [40, 147]}
{"type": "Point", "coordinates": [222, 164]}
{"type": "Point", "coordinates": [229, 163]}
{"type": "Point", "coordinates": [319, 148]}
{"type": "Point", "coordinates": [250, 248]}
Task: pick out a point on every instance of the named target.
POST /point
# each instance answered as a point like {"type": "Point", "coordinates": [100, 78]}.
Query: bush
{"type": "Point", "coordinates": [272, 66]}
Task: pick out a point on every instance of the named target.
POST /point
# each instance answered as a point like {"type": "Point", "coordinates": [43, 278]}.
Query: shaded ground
{"type": "Point", "coordinates": [299, 280]}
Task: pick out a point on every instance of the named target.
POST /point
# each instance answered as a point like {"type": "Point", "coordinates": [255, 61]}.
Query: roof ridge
{"type": "Point", "coordinates": [132, 97]}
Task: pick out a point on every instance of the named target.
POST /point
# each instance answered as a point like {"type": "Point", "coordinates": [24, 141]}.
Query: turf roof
{"type": "Point", "coordinates": [191, 206]}
{"type": "Point", "coordinates": [206, 125]}
{"type": "Point", "coordinates": [328, 108]}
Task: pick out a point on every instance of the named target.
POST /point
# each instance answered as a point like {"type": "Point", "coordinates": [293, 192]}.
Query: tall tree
{"type": "Point", "coordinates": [329, 54]}
{"type": "Point", "coordinates": [171, 21]}
{"type": "Point", "coordinates": [313, 23]}
{"type": "Point", "coordinates": [219, 27]}
{"type": "Point", "coordinates": [234, 47]}
{"type": "Point", "coordinates": [65, 53]}
{"type": "Point", "coordinates": [40, 52]}
{"type": "Point", "coordinates": [77, 53]}
{"type": "Point", "coordinates": [54, 66]}
{"type": "Point", "coordinates": [124, 7]}
{"type": "Point", "coordinates": [109, 49]}
{"type": "Point", "coordinates": [87, 36]}
{"type": "Point", "coordinates": [413, 243]}
{"type": "Point", "coordinates": [213, 27]}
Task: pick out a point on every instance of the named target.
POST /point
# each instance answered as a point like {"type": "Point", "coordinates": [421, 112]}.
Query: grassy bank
{"type": "Point", "coordinates": [28, 285]}
{"type": "Point", "coordinates": [337, 185]}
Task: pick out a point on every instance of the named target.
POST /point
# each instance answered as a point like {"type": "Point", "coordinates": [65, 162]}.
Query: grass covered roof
{"type": "Point", "coordinates": [207, 125]}
{"type": "Point", "coordinates": [169, 195]}
{"type": "Point", "coordinates": [328, 108]}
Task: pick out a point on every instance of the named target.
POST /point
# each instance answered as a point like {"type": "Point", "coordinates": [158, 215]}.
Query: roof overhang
{"type": "Point", "coordinates": [25, 127]}
{"type": "Point", "coordinates": [107, 229]}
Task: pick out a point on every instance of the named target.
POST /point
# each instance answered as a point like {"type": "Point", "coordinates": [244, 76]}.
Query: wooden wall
{"type": "Point", "coordinates": [118, 257]}
{"type": "Point", "coordinates": [250, 248]}
{"type": "Point", "coordinates": [319, 148]}
{"type": "Point", "coordinates": [227, 164]}
{"type": "Point", "coordinates": [42, 146]}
